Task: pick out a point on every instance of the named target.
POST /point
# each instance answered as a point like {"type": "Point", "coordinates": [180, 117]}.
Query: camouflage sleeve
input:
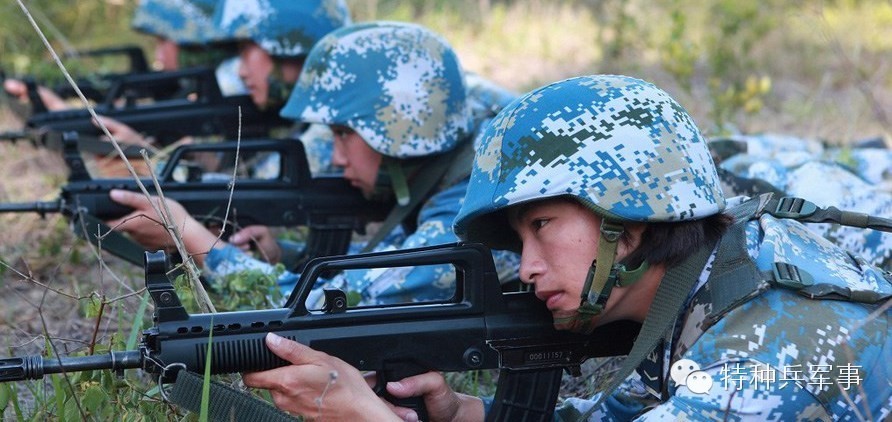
{"type": "Point", "coordinates": [220, 263]}
{"type": "Point", "coordinates": [410, 284]}
{"type": "Point", "coordinates": [319, 143]}
{"type": "Point", "coordinates": [613, 408]}
{"type": "Point", "coordinates": [228, 79]}
{"type": "Point", "coordinates": [390, 285]}
{"type": "Point", "coordinates": [291, 252]}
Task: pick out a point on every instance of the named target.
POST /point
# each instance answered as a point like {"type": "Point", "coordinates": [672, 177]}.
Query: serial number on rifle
{"type": "Point", "coordinates": [546, 356]}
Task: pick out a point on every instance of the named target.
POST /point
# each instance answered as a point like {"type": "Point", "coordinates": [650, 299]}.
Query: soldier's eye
{"type": "Point", "coordinates": [341, 132]}
{"type": "Point", "coordinates": [538, 223]}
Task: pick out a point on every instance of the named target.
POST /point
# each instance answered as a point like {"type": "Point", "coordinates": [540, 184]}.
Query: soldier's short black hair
{"type": "Point", "coordinates": [670, 243]}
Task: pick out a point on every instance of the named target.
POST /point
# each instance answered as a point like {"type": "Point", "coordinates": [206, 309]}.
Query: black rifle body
{"type": "Point", "coordinates": [201, 110]}
{"type": "Point", "coordinates": [94, 87]}
{"type": "Point", "coordinates": [480, 328]}
{"type": "Point", "coordinates": [327, 205]}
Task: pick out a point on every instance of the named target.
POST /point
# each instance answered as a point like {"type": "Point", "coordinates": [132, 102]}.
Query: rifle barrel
{"type": "Point", "coordinates": [40, 207]}
{"type": "Point", "coordinates": [16, 136]}
{"type": "Point", "coordinates": [35, 366]}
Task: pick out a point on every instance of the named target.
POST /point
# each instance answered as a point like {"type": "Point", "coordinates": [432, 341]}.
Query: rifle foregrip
{"type": "Point", "coordinates": [108, 209]}
{"type": "Point", "coordinates": [244, 355]}
{"type": "Point", "coordinates": [527, 395]}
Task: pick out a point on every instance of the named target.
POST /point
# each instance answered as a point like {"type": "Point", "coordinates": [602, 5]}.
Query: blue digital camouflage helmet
{"type": "Point", "coordinates": [398, 85]}
{"type": "Point", "coordinates": [185, 22]}
{"type": "Point", "coordinates": [283, 28]}
{"type": "Point", "coordinates": [618, 145]}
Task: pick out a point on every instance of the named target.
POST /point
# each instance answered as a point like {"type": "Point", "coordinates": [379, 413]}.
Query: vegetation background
{"type": "Point", "coordinates": [816, 69]}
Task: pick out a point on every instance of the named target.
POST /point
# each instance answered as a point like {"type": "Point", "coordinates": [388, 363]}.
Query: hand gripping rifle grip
{"type": "Point", "coordinates": [414, 403]}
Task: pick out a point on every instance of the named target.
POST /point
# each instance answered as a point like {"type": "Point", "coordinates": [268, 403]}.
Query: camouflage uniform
{"type": "Point", "coordinates": [227, 77]}
{"type": "Point", "coordinates": [628, 152]}
{"type": "Point", "coordinates": [873, 164]}
{"type": "Point", "coordinates": [849, 179]}
{"type": "Point", "coordinates": [804, 343]}
{"type": "Point", "coordinates": [419, 110]}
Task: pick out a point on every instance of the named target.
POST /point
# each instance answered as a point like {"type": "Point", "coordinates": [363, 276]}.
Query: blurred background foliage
{"type": "Point", "coordinates": [811, 68]}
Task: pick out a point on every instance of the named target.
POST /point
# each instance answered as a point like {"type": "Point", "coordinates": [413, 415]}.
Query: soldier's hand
{"type": "Point", "coordinates": [259, 238]}
{"type": "Point", "coordinates": [145, 226]}
{"type": "Point", "coordinates": [318, 385]}
{"type": "Point", "coordinates": [18, 89]}
{"type": "Point", "coordinates": [441, 402]}
{"type": "Point", "coordinates": [122, 132]}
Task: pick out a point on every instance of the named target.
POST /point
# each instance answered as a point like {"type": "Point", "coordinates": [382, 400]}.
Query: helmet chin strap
{"type": "Point", "coordinates": [278, 90]}
{"type": "Point", "coordinates": [603, 275]}
{"type": "Point", "coordinates": [398, 181]}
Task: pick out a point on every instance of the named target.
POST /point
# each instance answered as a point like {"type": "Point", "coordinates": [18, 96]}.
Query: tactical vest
{"type": "Point", "coordinates": [735, 279]}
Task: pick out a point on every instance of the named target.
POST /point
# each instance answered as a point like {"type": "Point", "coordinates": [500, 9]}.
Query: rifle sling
{"type": "Point", "coordinates": [671, 294]}
{"type": "Point", "coordinates": [447, 168]}
{"type": "Point", "coordinates": [225, 403]}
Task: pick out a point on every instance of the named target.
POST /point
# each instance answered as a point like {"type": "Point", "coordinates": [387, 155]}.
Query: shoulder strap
{"type": "Point", "coordinates": [802, 210]}
{"type": "Point", "coordinates": [667, 303]}
{"type": "Point", "coordinates": [734, 277]}
{"type": "Point", "coordinates": [445, 169]}
{"type": "Point", "coordinates": [680, 280]}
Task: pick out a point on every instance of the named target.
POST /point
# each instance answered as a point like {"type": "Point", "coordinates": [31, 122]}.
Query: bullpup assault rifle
{"type": "Point", "coordinates": [479, 328]}
{"type": "Point", "coordinates": [95, 87]}
{"type": "Point", "coordinates": [201, 110]}
{"type": "Point", "coordinates": [286, 196]}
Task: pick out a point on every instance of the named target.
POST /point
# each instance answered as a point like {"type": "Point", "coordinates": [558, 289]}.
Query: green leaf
{"type": "Point", "coordinates": [206, 385]}
{"type": "Point", "coordinates": [15, 404]}
{"type": "Point", "coordinates": [92, 308]}
{"type": "Point", "coordinates": [93, 398]}
{"type": "Point", "coordinates": [72, 413]}
{"type": "Point", "coordinates": [5, 396]}
{"type": "Point", "coordinates": [137, 322]}
{"type": "Point", "coordinates": [58, 392]}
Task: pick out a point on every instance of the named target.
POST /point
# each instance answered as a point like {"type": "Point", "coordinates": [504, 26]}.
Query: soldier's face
{"type": "Point", "coordinates": [560, 240]}
{"type": "Point", "coordinates": [255, 69]}
{"type": "Point", "coordinates": [166, 55]}
{"type": "Point", "coordinates": [358, 160]}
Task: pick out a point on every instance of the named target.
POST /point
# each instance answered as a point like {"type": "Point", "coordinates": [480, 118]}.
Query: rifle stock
{"type": "Point", "coordinates": [327, 205]}
{"type": "Point", "coordinates": [479, 328]}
